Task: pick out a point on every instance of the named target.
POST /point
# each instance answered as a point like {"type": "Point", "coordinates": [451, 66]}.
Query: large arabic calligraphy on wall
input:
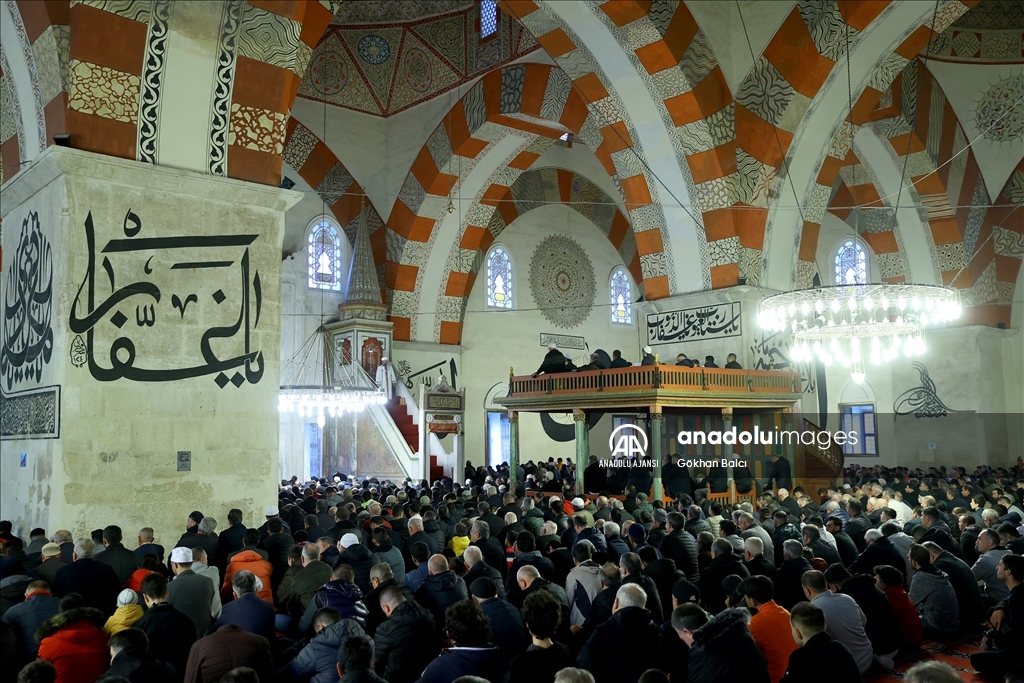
{"type": "Point", "coordinates": [717, 321]}
{"type": "Point", "coordinates": [28, 308]}
{"type": "Point", "coordinates": [208, 298]}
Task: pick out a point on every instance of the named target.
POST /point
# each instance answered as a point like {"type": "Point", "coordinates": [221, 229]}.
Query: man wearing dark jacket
{"type": "Point", "coordinates": [818, 652]}
{"type": "Point", "coordinates": [317, 661]}
{"type": "Point", "coordinates": [441, 589]}
{"type": "Point", "coordinates": [882, 627]}
{"type": "Point", "coordinates": [131, 659]}
{"type": "Point", "coordinates": [96, 582]}
{"type": "Point", "coordinates": [724, 650]}
{"type": "Point", "coordinates": [381, 578]}
{"type": "Point", "coordinates": [857, 524]}
{"type": "Point", "coordinates": [247, 610]}
{"type": "Point", "coordinates": [228, 648]}
{"type": "Point", "coordinates": [471, 652]}
{"type": "Point", "coordinates": [527, 554]}
{"type": "Point", "coordinates": [417, 535]}
{"type": "Point", "coordinates": [631, 570]}
{"type": "Point", "coordinates": [205, 538]}
{"type": "Point", "coordinates": [779, 474]}
{"type": "Point", "coordinates": [965, 585]}
{"type": "Point", "coordinates": [507, 630]}
{"type": "Point", "coordinates": [812, 539]}
{"type": "Point", "coordinates": [626, 645]}
{"type": "Point", "coordinates": [493, 553]}
{"type": "Point", "coordinates": [190, 593]}
{"type": "Point", "coordinates": [680, 547]}
{"type": "Point", "coordinates": [595, 477]}
{"type": "Point", "coordinates": [788, 588]}
{"type": "Point", "coordinates": [406, 642]}
{"type": "Point", "coordinates": [359, 557]}
{"type": "Point", "coordinates": [230, 540]}
{"type": "Point", "coordinates": [844, 544]}
{"type": "Point", "coordinates": [124, 562]}
{"type": "Point", "coordinates": [878, 551]}
{"type": "Point", "coordinates": [277, 543]}
{"type": "Point", "coordinates": [477, 569]}
{"type": "Point", "coordinates": [340, 594]}
{"type": "Point", "coordinates": [554, 361]}
{"type": "Point", "coordinates": [784, 531]}
{"type": "Point", "coordinates": [724, 562]}
{"type": "Point", "coordinates": [171, 634]}
{"type": "Point", "coordinates": [25, 617]}
{"type": "Point", "coordinates": [938, 532]}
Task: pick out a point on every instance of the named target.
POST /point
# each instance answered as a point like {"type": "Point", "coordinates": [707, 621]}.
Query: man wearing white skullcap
{"type": "Point", "coordinates": [554, 361]}
{"type": "Point", "coordinates": [648, 358]}
{"type": "Point", "coordinates": [386, 377]}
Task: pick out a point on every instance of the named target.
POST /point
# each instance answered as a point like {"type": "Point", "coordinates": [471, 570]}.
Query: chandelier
{"type": "Point", "coordinates": [855, 324]}
{"type": "Point", "coordinates": [321, 387]}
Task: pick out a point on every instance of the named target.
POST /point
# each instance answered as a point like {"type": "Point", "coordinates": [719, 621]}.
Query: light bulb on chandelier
{"type": "Point", "coordinates": [848, 323]}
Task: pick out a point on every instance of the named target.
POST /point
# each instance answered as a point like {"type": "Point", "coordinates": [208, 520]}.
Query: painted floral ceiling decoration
{"type": "Point", "coordinates": [384, 68]}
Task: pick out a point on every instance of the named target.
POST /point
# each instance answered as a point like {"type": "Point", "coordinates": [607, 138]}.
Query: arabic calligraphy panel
{"type": "Point", "coordinates": [718, 321]}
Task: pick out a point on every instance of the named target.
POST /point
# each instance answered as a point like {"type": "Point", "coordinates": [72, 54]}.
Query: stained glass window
{"type": "Point", "coordinates": [621, 299]}
{"type": "Point", "coordinates": [488, 18]}
{"type": "Point", "coordinates": [324, 257]}
{"type": "Point", "coordinates": [499, 278]}
{"type": "Point", "coordinates": [851, 263]}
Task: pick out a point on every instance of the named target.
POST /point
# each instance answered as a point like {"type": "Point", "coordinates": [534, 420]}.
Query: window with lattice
{"type": "Point", "coordinates": [324, 257]}
{"type": "Point", "coordinates": [499, 278]}
{"type": "Point", "coordinates": [851, 263]}
{"type": "Point", "coordinates": [621, 298]}
{"type": "Point", "coordinates": [488, 18]}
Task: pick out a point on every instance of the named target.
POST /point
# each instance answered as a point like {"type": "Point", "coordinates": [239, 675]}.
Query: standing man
{"type": "Point", "coordinates": [554, 361]}
{"type": "Point", "coordinates": [780, 473]}
{"type": "Point", "coordinates": [386, 378]}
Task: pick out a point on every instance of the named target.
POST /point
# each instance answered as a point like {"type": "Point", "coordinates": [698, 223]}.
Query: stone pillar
{"type": "Point", "coordinates": [513, 448]}
{"type": "Point", "coordinates": [656, 454]}
{"type": "Point", "coordinates": [582, 446]}
{"type": "Point", "coordinates": [150, 388]}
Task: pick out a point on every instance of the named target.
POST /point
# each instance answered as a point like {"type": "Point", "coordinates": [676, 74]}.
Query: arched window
{"type": "Point", "coordinates": [499, 278]}
{"type": "Point", "coordinates": [851, 262]}
{"type": "Point", "coordinates": [324, 257]}
{"type": "Point", "coordinates": [621, 297]}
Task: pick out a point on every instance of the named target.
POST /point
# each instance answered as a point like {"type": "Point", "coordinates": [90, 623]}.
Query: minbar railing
{"type": "Point", "coordinates": [656, 377]}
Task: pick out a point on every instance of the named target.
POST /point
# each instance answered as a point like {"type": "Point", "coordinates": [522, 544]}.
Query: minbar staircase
{"type": "Point", "coordinates": [403, 420]}
{"type": "Point", "coordinates": [818, 466]}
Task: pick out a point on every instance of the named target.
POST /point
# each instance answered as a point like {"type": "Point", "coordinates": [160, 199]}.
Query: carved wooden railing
{"type": "Point", "coordinates": [654, 377]}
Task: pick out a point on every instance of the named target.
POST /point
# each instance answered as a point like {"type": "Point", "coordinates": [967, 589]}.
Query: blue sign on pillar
{"type": "Point", "coordinates": [24, 459]}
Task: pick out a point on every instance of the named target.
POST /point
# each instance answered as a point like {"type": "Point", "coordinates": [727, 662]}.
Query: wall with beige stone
{"type": "Point", "coordinates": [122, 422]}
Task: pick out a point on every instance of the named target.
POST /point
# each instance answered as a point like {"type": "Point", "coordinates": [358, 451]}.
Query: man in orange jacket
{"type": "Point", "coordinates": [247, 558]}
{"type": "Point", "coordinates": [770, 626]}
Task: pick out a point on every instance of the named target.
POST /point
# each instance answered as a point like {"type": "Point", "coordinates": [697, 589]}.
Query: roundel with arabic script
{"type": "Point", "coordinates": [562, 281]}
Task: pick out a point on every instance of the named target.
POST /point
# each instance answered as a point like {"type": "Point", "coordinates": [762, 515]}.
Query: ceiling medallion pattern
{"type": "Point", "coordinates": [417, 70]}
{"type": "Point", "coordinates": [562, 281]}
{"type": "Point", "coordinates": [328, 73]}
{"type": "Point", "coordinates": [373, 49]}
{"type": "Point", "coordinates": [996, 116]}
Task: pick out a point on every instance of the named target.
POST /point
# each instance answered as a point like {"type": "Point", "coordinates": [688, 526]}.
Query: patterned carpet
{"type": "Point", "coordinates": [956, 653]}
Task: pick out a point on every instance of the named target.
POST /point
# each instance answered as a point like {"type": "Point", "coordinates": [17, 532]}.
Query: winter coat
{"type": "Point", "coordinates": [623, 647]}
{"type": "Point", "coordinates": [664, 574]}
{"type": "Point", "coordinates": [171, 635]}
{"type": "Point", "coordinates": [855, 529]}
{"type": "Point", "coordinates": [935, 599]}
{"type": "Point", "coordinates": [405, 643]}
{"type": "Point", "coordinates": [438, 592]}
{"type": "Point", "coordinates": [138, 666]}
{"type": "Point", "coordinates": [540, 665]}
{"type": "Point", "coordinates": [230, 541]}
{"type": "Point", "coordinates": [432, 528]}
{"type": "Point", "coordinates": [762, 566]}
{"type": "Point", "coordinates": [387, 552]}
{"type": "Point", "coordinates": [375, 616]}
{"type": "Point", "coordinates": [533, 558]}
{"type": "Point", "coordinates": [123, 618]}
{"type": "Point", "coordinates": [74, 642]}
{"type": "Point", "coordinates": [822, 549]}
{"type": "Point", "coordinates": [94, 581]}
{"type": "Point", "coordinates": [361, 560]}
{"type": "Point", "coordinates": [486, 661]}
{"type": "Point", "coordinates": [458, 544]}
{"type": "Point", "coordinates": [846, 547]}
{"type": "Point", "coordinates": [883, 628]}
{"type": "Point", "coordinates": [25, 617]}
{"type": "Point", "coordinates": [940, 534]}
{"type": "Point", "coordinates": [533, 520]}
{"type": "Point", "coordinates": [228, 648]}
{"type": "Point", "coordinates": [788, 588]}
{"type": "Point", "coordinates": [277, 547]}
{"type": "Point", "coordinates": [681, 547]}
{"type": "Point", "coordinates": [341, 595]}
{"type": "Point", "coordinates": [192, 595]}
{"type": "Point", "coordinates": [882, 551]}
{"type": "Point", "coordinates": [782, 534]}
{"type": "Point", "coordinates": [724, 650]}
{"type": "Point", "coordinates": [120, 559]}
{"type": "Point", "coordinates": [710, 584]}
{"type": "Point", "coordinates": [306, 583]}
{"type": "Point", "coordinates": [581, 587]}
{"type": "Point", "coordinates": [250, 613]}
{"type": "Point", "coordinates": [507, 629]}
{"type": "Point", "coordinates": [968, 593]}
{"type": "Point", "coordinates": [482, 569]}
{"type": "Point", "coordinates": [318, 661]}
{"type": "Point", "coordinates": [250, 561]}
{"type": "Point", "coordinates": [821, 654]}
{"type": "Point", "coordinates": [594, 536]}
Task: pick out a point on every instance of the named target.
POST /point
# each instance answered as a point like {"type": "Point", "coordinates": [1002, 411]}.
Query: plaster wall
{"type": "Point", "coordinates": [116, 458]}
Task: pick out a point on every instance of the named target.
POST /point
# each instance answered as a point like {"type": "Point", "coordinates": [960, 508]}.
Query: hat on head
{"type": "Point", "coordinates": [51, 550]}
{"type": "Point", "coordinates": [468, 493]}
{"type": "Point", "coordinates": [647, 349]}
{"type": "Point", "coordinates": [349, 540]}
{"type": "Point", "coordinates": [553, 499]}
{"type": "Point", "coordinates": [196, 516]}
{"type": "Point", "coordinates": [127, 597]}
{"type": "Point", "coordinates": [484, 588]}
{"type": "Point", "coordinates": [552, 345]}
{"type": "Point", "coordinates": [271, 511]}
{"type": "Point", "coordinates": [182, 555]}
{"type": "Point", "coordinates": [684, 591]}
{"type": "Point", "coordinates": [577, 503]}
{"type": "Point", "coordinates": [660, 515]}
{"type": "Point", "coordinates": [502, 488]}
{"type": "Point", "coordinates": [637, 531]}
{"type": "Point", "coordinates": [641, 496]}
{"type": "Point", "coordinates": [847, 486]}
{"type": "Point", "coordinates": [383, 358]}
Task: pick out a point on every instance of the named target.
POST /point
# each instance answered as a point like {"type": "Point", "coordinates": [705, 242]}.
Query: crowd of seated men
{"type": "Point", "coordinates": [403, 582]}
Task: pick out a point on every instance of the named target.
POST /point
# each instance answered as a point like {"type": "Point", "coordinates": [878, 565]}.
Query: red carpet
{"type": "Point", "coordinates": [956, 653]}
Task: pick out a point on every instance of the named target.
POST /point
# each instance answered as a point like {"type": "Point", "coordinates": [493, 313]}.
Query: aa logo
{"type": "Point", "coordinates": [628, 441]}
